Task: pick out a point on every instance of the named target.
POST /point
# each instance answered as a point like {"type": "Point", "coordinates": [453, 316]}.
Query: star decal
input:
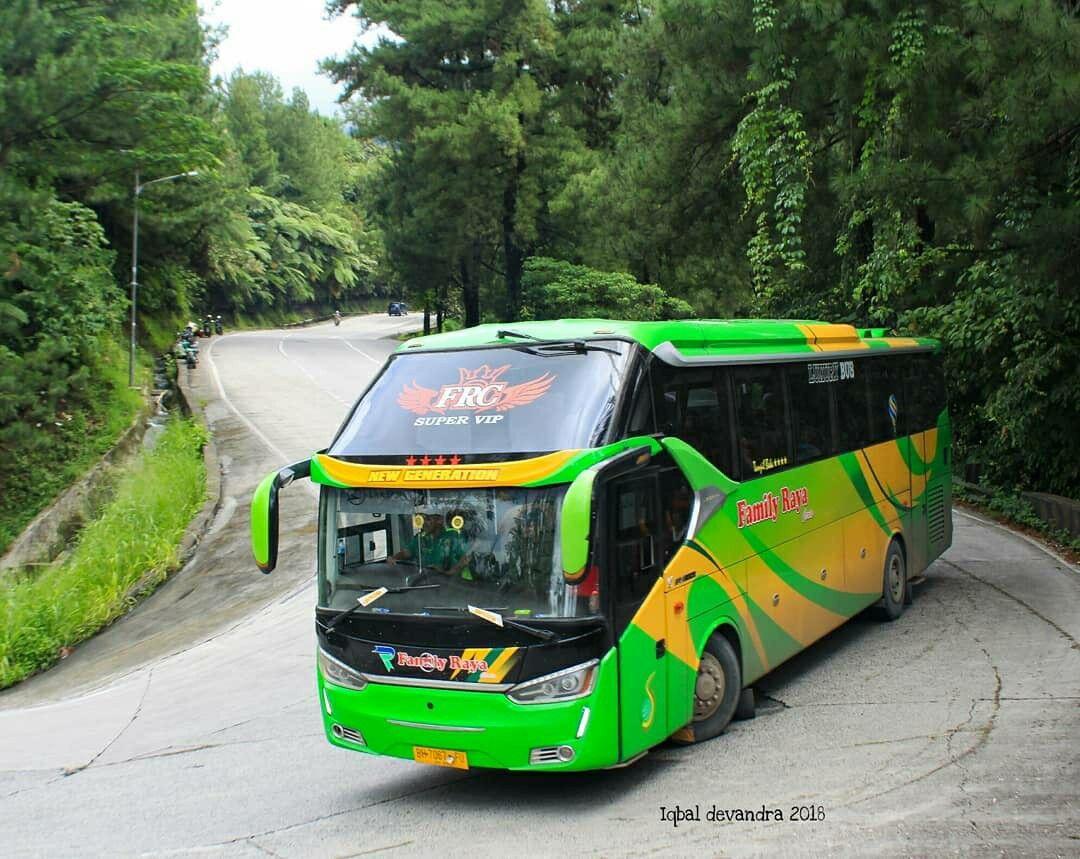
{"type": "Point", "coordinates": [440, 460]}
{"type": "Point", "coordinates": [410, 460]}
{"type": "Point", "coordinates": [455, 460]}
{"type": "Point", "coordinates": [426, 460]}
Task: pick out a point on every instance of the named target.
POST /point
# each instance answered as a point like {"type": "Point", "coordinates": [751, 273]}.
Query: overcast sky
{"type": "Point", "coordinates": [286, 38]}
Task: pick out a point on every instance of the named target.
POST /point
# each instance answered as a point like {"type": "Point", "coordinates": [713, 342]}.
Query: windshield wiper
{"type": "Point", "coordinates": [403, 588]}
{"type": "Point", "coordinates": [569, 347]}
{"type": "Point", "coordinates": [503, 333]}
{"type": "Point", "coordinates": [498, 620]}
{"type": "Point", "coordinates": [370, 597]}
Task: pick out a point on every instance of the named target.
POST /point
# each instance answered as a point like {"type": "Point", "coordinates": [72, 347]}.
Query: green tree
{"type": "Point", "coordinates": [555, 289]}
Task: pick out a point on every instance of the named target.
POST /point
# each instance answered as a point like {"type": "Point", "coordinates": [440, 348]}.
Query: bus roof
{"type": "Point", "coordinates": [685, 341]}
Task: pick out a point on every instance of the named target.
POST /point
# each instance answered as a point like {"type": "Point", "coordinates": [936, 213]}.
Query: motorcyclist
{"type": "Point", "coordinates": [219, 326]}
{"type": "Point", "coordinates": [337, 317]}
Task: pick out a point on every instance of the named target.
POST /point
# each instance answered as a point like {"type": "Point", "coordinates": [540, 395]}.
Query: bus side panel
{"type": "Point", "coordinates": [915, 529]}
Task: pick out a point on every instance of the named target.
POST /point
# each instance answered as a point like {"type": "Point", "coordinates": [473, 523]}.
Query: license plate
{"type": "Point", "coordinates": [440, 757]}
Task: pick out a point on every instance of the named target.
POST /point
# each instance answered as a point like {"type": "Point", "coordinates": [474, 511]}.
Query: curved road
{"type": "Point", "coordinates": [191, 726]}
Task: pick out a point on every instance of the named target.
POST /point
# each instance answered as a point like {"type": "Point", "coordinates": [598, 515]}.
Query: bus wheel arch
{"type": "Point", "coordinates": [718, 687]}
{"type": "Point", "coordinates": [895, 583]}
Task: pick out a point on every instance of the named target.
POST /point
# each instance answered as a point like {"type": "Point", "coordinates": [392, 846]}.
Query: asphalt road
{"type": "Point", "coordinates": [191, 726]}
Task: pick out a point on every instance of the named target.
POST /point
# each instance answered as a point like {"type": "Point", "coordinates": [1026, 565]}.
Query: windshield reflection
{"type": "Point", "coordinates": [439, 551]}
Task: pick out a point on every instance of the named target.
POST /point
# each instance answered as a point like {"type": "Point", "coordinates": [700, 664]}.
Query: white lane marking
{"type": "Point", "coordinates": [361, 351]}
{"type": "Point", "coordinates": [225, 399]}
{"type": "Point", "coordinates": [300, 367]}
{"type": "Point", "coordinates": [1046, 550]}
{"type": "Point", "coordinates": [274, 449]}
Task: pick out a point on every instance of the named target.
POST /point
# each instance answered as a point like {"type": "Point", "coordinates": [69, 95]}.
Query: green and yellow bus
{"type": "Point", "coordinates": [553, 546]}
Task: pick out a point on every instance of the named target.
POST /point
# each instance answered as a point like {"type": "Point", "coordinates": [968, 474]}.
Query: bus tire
{"type": "Point", "coordinates": [747, 706]}
{"type": "Point", "coordinates": [894, 586]}
{"type": "Point", "coordinates": [717, 689]}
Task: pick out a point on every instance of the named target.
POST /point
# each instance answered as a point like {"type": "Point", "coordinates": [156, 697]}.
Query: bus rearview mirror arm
{"type": "Point", "coordinates": [264, 513]}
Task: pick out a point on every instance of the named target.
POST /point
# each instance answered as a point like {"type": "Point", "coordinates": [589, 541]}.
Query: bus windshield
{"type": "Point", "coordinates": [529, 398]}
{"type": "Point", "coordinates": [439, 551]}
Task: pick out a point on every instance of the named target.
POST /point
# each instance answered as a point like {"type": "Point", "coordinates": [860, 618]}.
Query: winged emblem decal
{"type": "Point", "coordinates": [479, 390]}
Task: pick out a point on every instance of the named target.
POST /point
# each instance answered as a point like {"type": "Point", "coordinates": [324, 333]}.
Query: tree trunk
{"type": "Point", "coordinates": [470, 288]}
{"type": "Point", "coordinates": [513, 252]}
{"type": "Point", "coordinates": [427, 318]}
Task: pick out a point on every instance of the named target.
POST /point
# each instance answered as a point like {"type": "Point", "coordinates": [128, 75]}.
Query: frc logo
{"type": "Point", "coordinates": [478, 390]}
{"type": "Point", "coordinates": [386, 654]}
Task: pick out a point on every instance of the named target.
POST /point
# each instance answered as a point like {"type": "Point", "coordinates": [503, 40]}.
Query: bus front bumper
{"type": "Point", "coordinates": [492, 730]}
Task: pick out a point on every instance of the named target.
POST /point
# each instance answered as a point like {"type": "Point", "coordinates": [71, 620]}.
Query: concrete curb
{"type": "Point", "coordinates": [200, 524]}
{"type": "Point", "coordinates": [45, 537]}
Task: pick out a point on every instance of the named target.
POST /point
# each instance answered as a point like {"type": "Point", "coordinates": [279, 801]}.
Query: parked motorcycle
{"type": "Point", "coordinates": [189, 348]}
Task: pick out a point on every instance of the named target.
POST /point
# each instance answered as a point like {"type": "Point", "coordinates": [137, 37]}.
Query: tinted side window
{"type": "Point", "coordinates": [887, 417]}
{"type": "Point", "coordinates": [924, 390]}
{"type": "Point", "coordinates": [641, 420]}
{"type": "Point", "coordinates": [761, 419]}
{"type": "Point", "coordinates": [693, 406]}
{"type": "Point", "coordinates": [852, 418]}
{"type": "Point", "coordinates": [637, 539]}
{"type": "Point", "coordinates": [811, 413]}
{"type": "Point", "coordinates": [677, 503]}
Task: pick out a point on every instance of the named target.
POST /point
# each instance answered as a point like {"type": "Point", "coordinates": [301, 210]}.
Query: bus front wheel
{"type": "Point", "coordinates": [717, 689]}
{"type": "Point", "coordinates": [894, 589]}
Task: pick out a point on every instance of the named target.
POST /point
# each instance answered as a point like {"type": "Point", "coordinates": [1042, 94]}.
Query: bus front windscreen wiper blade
{"type": "Point", "coordinates": [568, 347]}
{"type": "Point", "coordinates": [498, 620]}
{"type": "Point", "coordinates": [367, 599]}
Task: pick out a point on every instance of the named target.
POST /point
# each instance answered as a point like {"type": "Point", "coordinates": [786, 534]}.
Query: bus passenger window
{"type": "Point", "coordinates": [924, 391]}
{"type": "Point", "coordinates": [694, 407]}
{"type": "Point", "coordinates": [852, 420]}
{"type": "Point", "coordinates": [887, 417]}
{"type": "Point", "coordinates": [761, 420]}
{"type": "Point", "coordinates": [811, 414]}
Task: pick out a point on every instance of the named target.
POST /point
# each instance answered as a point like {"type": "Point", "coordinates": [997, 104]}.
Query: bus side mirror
{"type": "Point", "coordinates": [264, 513]}
{"type": "Point", "coordinates": [579, 501]}
{"type": "Point", "coordinates": [575, 524]}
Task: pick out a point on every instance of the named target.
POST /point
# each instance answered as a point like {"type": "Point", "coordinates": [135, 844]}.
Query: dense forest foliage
{"type": "Point", "coordinates": [92, 93]}
{"type": "Point", "coordinates": [908, 164]}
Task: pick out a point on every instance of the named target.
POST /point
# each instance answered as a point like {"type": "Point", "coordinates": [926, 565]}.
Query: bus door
{"type": "Point", "coordinates": [635, 557]}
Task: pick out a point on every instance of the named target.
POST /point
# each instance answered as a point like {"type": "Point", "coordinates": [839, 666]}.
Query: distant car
{"type": "Point", "coordinates": [397, 308]}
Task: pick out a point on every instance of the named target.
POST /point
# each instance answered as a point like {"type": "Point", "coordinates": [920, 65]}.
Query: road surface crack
{"type": "Point", "coordinates": [1075, 644]}
{"type": "Point", "coordinates": [69, 771]}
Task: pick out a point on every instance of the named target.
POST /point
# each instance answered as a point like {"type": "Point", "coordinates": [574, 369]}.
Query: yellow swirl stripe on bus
{"type": "Point", "coordinates": [474, 653]}
{"type": "Point", "coordinates": [501, 666]}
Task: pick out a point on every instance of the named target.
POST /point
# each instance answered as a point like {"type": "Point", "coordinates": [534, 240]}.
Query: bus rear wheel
{"type": "Point", "coordinates": [717, 689]}
{"type": "Point", "coordinates": [895, 588]}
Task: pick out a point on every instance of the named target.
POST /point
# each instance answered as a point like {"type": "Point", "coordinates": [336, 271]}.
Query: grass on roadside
{"type": "Point", "coordinates": [119, 558]}
{"type": "Point", "coordinates": [56, 454]}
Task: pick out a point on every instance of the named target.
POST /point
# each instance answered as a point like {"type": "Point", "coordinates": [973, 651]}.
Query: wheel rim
{"type": "Point", "coordinates": [895, 576]}
{"type": "Point", "coordinates": [710, 686]}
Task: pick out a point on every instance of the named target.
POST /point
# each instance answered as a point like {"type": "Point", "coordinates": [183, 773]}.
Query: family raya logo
{"type": "Point", "coordinates": [771, 506]}
{"type": "Point", "coordinates": [426, 662]}
{"type": "Point", "coordinates": [479, 390]}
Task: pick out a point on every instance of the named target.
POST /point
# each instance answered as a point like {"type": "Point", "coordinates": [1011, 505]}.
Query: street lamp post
{"type": "Point", "coordinates": [139, 187]}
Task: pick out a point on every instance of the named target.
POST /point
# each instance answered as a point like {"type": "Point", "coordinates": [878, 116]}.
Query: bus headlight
{"type": "Point", "coordinates": [339, 673]}
{"type": "Point", "coordinates": [565, 685]}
